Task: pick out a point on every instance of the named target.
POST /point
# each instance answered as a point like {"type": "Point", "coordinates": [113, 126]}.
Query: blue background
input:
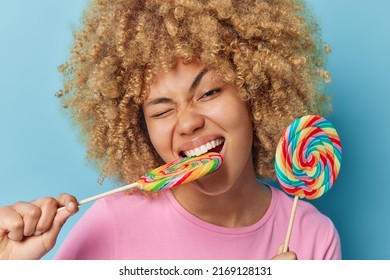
{"type": "Point", "coordinates": [40, 154]}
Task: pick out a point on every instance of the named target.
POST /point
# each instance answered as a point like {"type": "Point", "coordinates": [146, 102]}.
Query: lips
{"type": "Point", "coordinates": [210, 146]}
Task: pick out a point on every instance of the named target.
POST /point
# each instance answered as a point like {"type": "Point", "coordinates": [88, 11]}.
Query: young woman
{"type": "Point", "coordinates": [153, 81]}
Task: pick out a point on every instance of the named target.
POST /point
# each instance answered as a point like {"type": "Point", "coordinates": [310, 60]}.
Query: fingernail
{"type": "Point", "coordinates": [71, 206]}
{"type": "Point", "coordinates": [37, 232]}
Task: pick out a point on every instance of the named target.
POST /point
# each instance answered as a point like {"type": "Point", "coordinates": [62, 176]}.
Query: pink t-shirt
{"type": "Point", "coordinates": [139, 227]}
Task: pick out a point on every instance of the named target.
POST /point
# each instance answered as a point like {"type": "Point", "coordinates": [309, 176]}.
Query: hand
{"type": "Point", "coordinates": [289, 255]}
{"type": "Point", "coordinates": [30, 230]}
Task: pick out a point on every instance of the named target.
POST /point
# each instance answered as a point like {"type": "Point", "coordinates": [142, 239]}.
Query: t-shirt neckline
{"type": "Point", "coordinates": [220, 229]}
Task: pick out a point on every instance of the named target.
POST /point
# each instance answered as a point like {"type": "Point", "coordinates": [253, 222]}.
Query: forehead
{"type": "Point", "coordinates": [181, 75]}
{"type": "Point", "coordinates": [184, 78]}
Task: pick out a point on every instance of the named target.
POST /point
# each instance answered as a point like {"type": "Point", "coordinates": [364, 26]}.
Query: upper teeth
{"type": "Point", "coordinates": [204, 148]}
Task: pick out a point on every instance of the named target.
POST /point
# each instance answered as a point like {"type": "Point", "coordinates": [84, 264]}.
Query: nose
{"type": "Point", "coordinates": [189, 121]}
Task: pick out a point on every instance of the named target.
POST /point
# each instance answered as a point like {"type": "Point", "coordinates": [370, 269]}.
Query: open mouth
{"type": "Point", "coordinates": [211, 146]}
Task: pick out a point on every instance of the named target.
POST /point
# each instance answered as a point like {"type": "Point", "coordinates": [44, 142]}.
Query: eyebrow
{"type": "Point", "coordinates": [159, 100]}
{"type": "Point", "coordinates": [195, 83]}
{"type": "Point", "coordinates": [198, 78]}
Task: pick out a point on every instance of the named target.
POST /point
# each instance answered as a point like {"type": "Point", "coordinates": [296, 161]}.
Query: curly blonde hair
{"type": "Point", "coordinates": [269, 49]}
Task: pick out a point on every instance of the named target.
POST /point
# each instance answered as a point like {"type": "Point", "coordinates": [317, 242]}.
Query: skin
{"type": "Point", "coordinates": [186, 108]}
{"type": "Point", "coordinates": [28, 230]}
{"type": "Point", "coordinates": [190, 106]}
{"type": "Point", "coordinates": [182, 115]}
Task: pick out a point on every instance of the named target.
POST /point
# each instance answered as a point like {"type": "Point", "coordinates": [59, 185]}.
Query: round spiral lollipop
{"type": "Point", "coordinates": [308, 157]}
{"type": "Point", "coordinates": [179, 172]}
{"type": "Point", "coordinates": [307, 161]}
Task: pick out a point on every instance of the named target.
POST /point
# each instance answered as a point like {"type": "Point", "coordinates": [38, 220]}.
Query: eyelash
{"type": "Point", "coordinates": [208, 94]}
{"type": "Point", "coordinates": [161, 114]}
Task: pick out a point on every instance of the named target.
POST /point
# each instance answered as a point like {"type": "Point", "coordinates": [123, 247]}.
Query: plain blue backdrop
{"type": "Point", "coordinates": [40, 154]}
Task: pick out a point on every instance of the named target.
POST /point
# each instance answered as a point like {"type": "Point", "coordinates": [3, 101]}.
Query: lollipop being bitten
{"type": "Point", "coordinates": [179, 172]}
{"type": "Point", "coordinates": [307, 160]}
{"type": "Point", "coordinates": [169, 175]}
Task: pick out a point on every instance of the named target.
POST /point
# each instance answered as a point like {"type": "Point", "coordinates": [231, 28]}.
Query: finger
{"type": "Point", "coordinates": [289, 255]}
{"type": "Point", "coordinates": [11, 223]}
{"type": "Point", "coordinates": [48, 206]}
{"type": "Point", "coordinates": [280, 249]}
{"type": "Point", "coordinates": [68, 201]}
{"type": "Point", "coordinates": [30, 214]}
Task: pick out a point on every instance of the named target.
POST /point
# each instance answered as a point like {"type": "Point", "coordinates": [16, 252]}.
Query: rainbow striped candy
{"type": "Point", "coordinates": [179, 172]}
{"type": "Point", "coordinates": [308, 157]}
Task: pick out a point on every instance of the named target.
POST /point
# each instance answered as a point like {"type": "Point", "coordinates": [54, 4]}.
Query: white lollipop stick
{"type": "Point", "coordinates": [95, 197]}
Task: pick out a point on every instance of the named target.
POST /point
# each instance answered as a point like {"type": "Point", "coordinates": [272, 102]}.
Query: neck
{"type": "Point", "coordinates": [242, 204]}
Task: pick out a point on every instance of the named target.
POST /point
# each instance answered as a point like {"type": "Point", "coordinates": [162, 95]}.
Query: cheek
{"type": "Point", "coordinates": [160, 136]}
{"type": "Point", "coordinates": [232, 114]}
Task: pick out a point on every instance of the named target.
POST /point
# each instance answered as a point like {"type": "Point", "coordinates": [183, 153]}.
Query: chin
{"type": "Point", "coordinates": [211, 185]}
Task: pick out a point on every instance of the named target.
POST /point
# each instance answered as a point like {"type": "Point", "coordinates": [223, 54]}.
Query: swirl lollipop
{"type": "Point", "coordinates": [308, 160]}
{"type": "Point", "coordinates": [179, 172]}
{"type": "Point", "coordinates": [172, 174]}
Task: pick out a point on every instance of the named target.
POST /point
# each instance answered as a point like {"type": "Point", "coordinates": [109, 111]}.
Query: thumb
{"type": "Point", "coordinates": [289, 255]}
{"type": "Point", "coordinates": [280, 249]}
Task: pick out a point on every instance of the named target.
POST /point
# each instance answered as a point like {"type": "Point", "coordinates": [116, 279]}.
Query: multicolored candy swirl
{"type": "Point", "coordinates": [308, 157]}
{"type": "Point", "coordinates": [179, 172]}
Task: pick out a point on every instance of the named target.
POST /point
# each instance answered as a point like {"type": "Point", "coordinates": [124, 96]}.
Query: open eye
{"type": "Point", "coordinates": [211, 93]}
